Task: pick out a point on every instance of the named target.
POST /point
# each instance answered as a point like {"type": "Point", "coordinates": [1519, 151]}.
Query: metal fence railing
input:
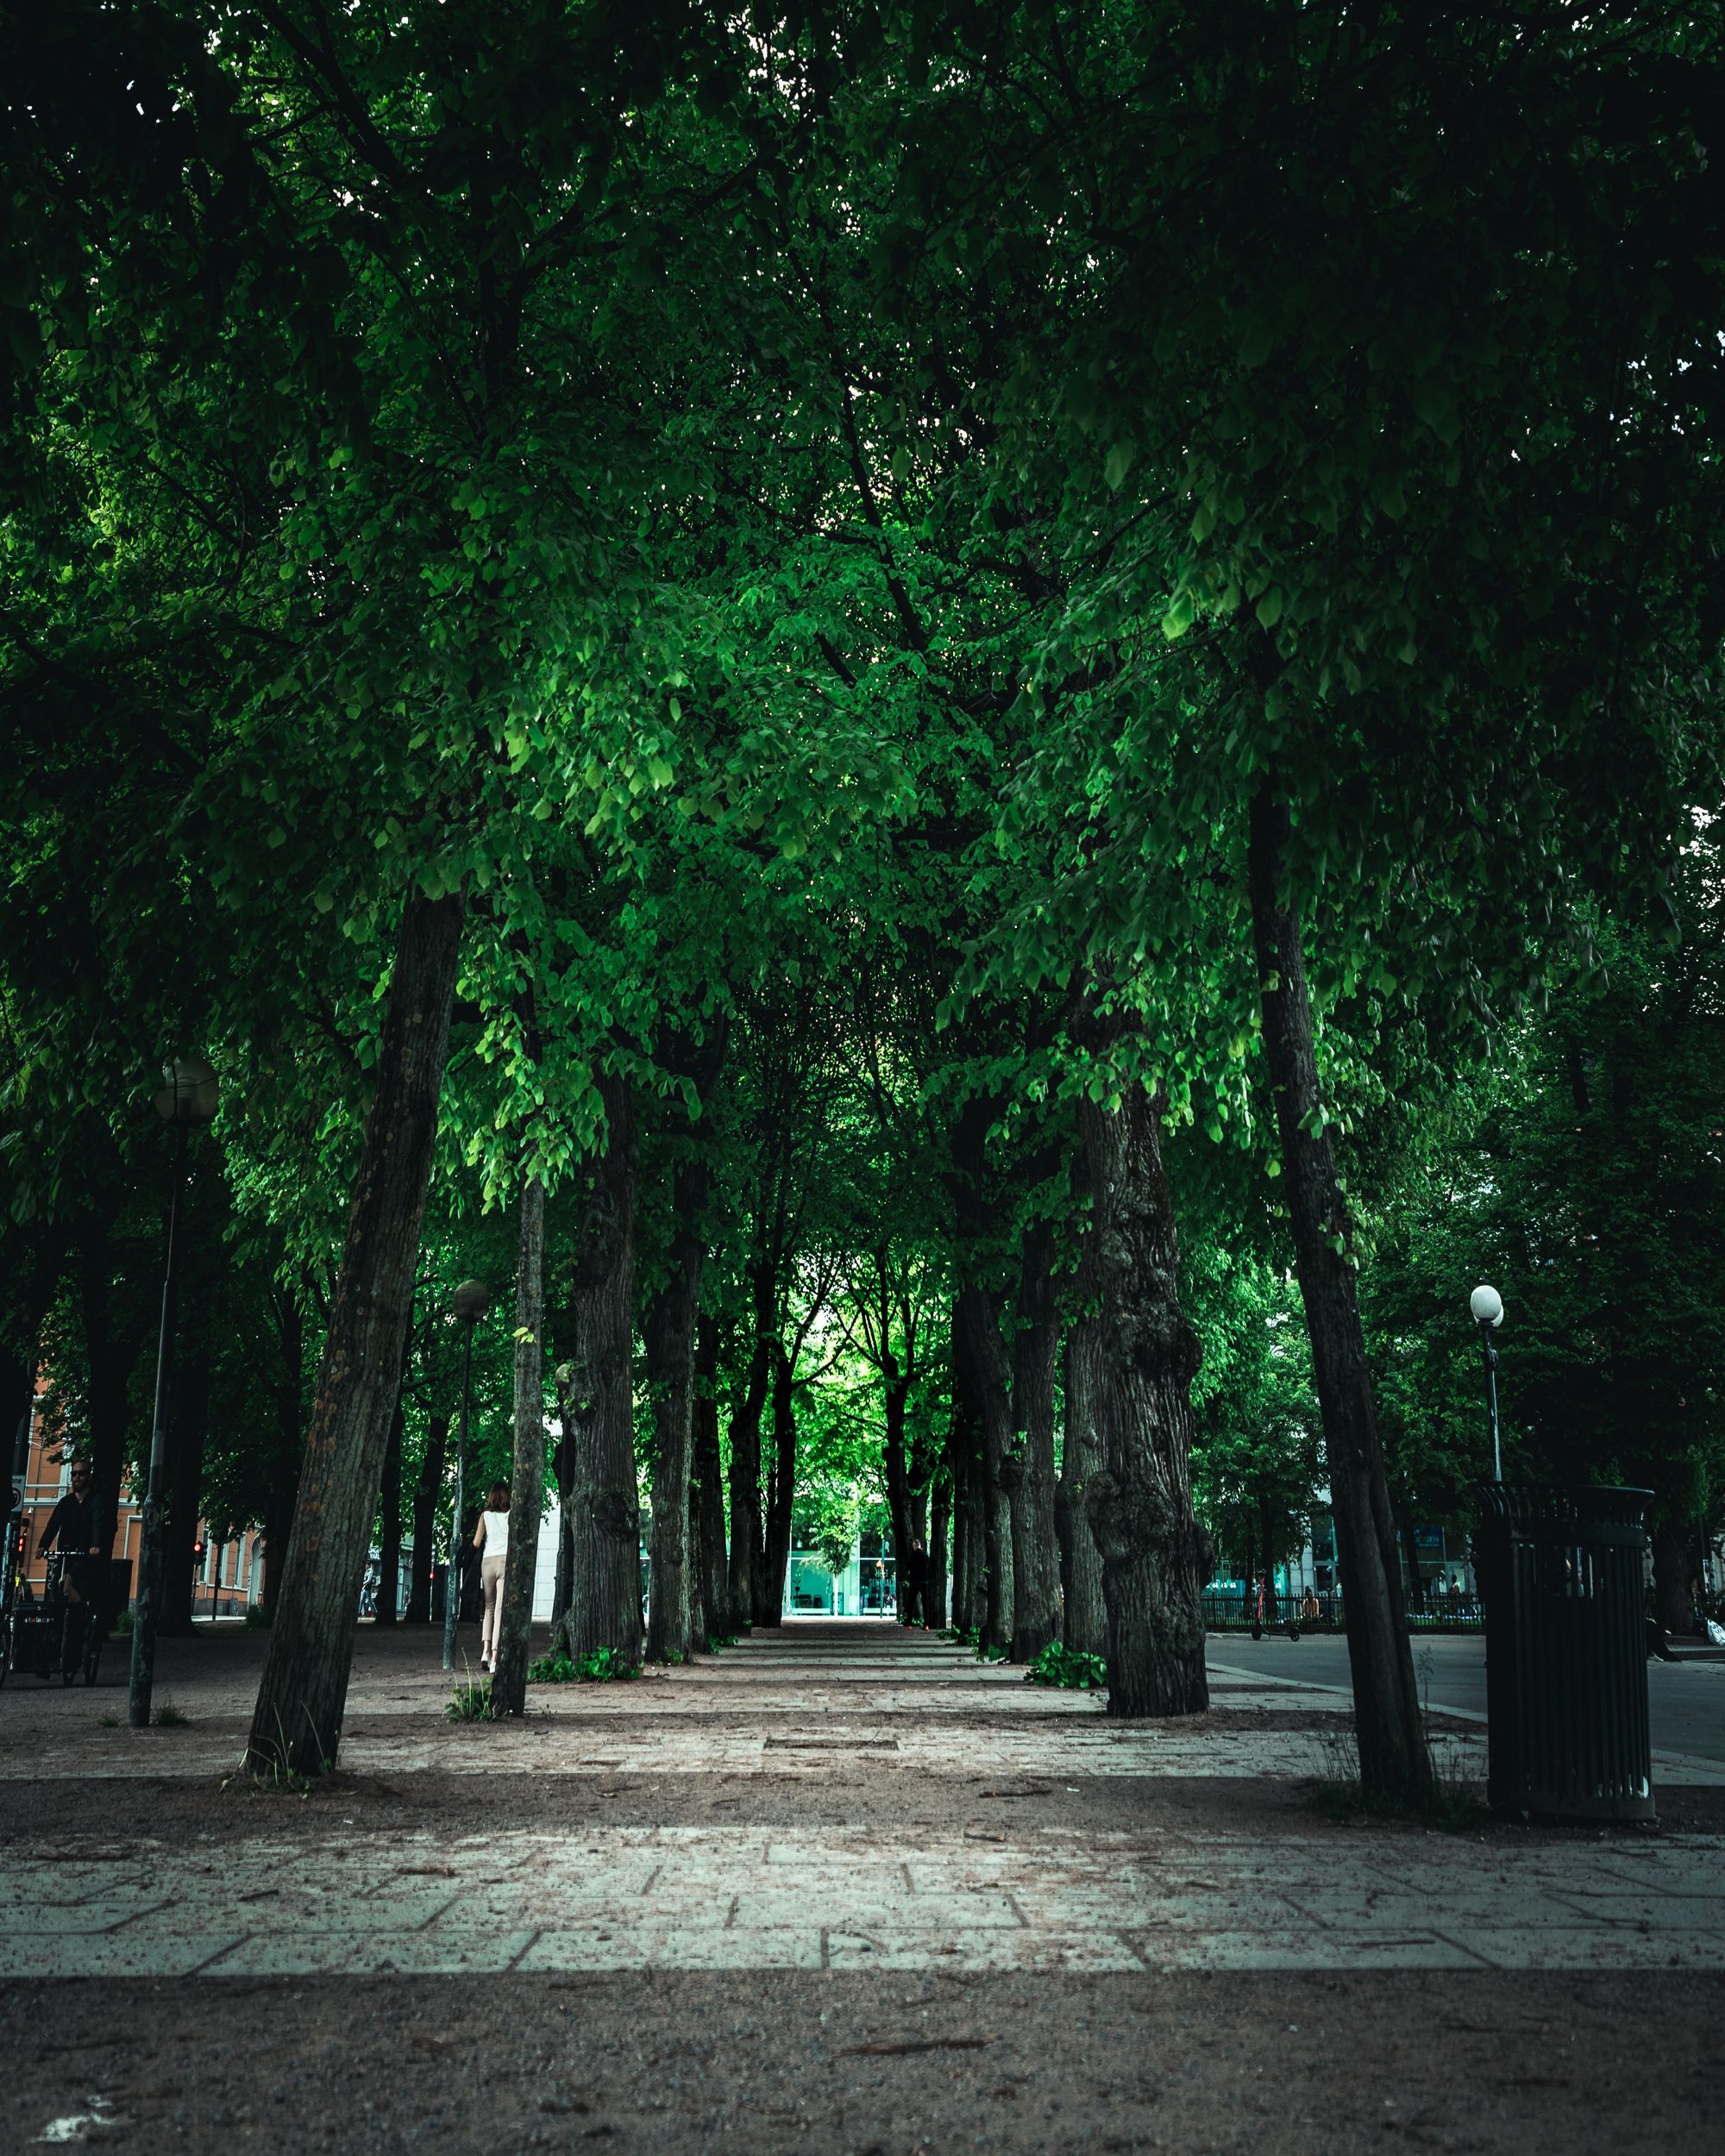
{"type": "Point", "coordinates": [1232, 1609]}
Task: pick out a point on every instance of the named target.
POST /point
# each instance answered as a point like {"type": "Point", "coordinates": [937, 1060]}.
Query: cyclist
{"type": "Point", "coordinates": [77, 1528]}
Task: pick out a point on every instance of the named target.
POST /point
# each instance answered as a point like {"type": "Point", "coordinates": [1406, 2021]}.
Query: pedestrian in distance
{"type": "Point", "coordinates": [491, 1540]}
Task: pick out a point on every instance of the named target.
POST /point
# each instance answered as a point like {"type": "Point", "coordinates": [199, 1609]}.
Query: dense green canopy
{"type": "Point", "coordinates": [951, 593]}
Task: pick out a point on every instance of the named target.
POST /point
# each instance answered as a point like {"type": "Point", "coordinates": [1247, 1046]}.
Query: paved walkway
{"type": "Point", "coordinates": [824, 1715]}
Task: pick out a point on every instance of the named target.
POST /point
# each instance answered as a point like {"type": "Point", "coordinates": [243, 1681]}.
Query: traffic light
{"type": "Point", "coordinates": [197, 1549]}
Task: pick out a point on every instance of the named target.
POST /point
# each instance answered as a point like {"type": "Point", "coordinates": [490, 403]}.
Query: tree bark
{"type": "Point", "coordinates": [598, 1423]}
{"type": "Point", "coordinates": [284, 1483]}
{"type": "Point", "coordinates": [668, 1337]}
{"type": "Point", "coordinates": [428, 1490]}
{"type": "Point", "coordinates": [185, 1490]}
{"type": "Point", "coordinates": [939, 1524]}
{"type": "Point", "coordinates": [783, 1492]}
{"type": "Point", "coordinates": [1153, 1553]}
{"type": "Point", "coordinates": [1395, 1763]}
{"type": "Point", "coordinates": [708, 1503]}
{"type": "Point", "coordinates": [297, 1723]}
{"type": "Point", "coordinates": [1083, 1458]}
{"type": "Point", "coordinates": [1036, 1566]}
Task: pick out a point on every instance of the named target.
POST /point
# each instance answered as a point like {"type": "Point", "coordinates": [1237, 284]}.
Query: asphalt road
{"type": "Point", "coordinates": [1686, 1699]}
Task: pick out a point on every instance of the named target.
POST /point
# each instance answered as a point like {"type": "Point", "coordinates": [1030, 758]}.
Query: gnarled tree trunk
{"type": "Point", "coordinates": [297, 1723]}
{"type": "Point", "coordinates": [1153, 1553]}
{"type": "Point", "coordinates": [1395, 1763]}
{"type": "Point", "coordinates": [939, 1527]}
{"type": "Point", "coordinates": [598, 1422]}
{"type": "Point", "coordinates": [527, 1474]}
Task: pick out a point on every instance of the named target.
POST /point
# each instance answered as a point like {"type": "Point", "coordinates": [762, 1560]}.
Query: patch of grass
{"type": "Point", "coordinates": [716, 1640]}
{"type": "Point", "coordinates": [1069, 1668]}
{"type": "Point", "coordinates": [258, 1618]}
{"type": "Point", "coordinates": [470, 1703]}
{"type": "Point", "coordinates": [962, 1635]}
{"type": "Point", "coordinates": [1449, 1801]}
{"type": "Point", "coordinates": [604, 1665]}
{"type": "Point", "coordinates": [168, 1716]}
{"type": "Point", "coordinates": [989, 1654]}
{"type": "Point", "coordinates": [110, 1722]}
{"type": "Point", "coordinates": [122, 1625]}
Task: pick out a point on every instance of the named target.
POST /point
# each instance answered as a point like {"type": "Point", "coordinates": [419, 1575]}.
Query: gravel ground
{"type": "Point", "coordinates": [767, 2062]}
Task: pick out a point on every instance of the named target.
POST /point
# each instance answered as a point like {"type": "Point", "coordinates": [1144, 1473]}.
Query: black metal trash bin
{"type": "Point", "coordinates": [1565, 1652]}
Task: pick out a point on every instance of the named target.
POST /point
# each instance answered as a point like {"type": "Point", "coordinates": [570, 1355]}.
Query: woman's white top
{"type": "Point", "coordinates": [497, 1534]}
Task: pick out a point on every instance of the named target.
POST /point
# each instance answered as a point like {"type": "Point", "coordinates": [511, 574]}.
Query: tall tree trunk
{"type": "Point", "coordinates": [389, 1508]}
{"type": "Point", "coordinates": [185, 1490]}
{"type": "Point", "coordinates": [287, 1445]}
{"type": "Point", "coordinates": [1153, 1553]}
{"type": "Point", "coordinates": [1083, 1458]}
{"type": "Point", "coordinates": [784, 1491]}
{"type": "Point", "coordinates": [986, 1380]}
{"type": "Point", "coordinates": [748, 1590]}
{"type": "Point", "coordinates": [939, 1523]}
{"type": "Point", "coordinates": [1410, 1545]}
{"type": "Point", "coordinates": [296, 1724]}
{"type": "Point", "coordinates": [563, 1586]}
{"type": "Point", "coordinates": [1266, 1536]}
{"type": "Point", "coordinates": [1394, 1765]}
{"type": "Point", "coordinates": [708, 1503]}
{"type": "Point", "coordinates": [964, 1447]}
{"type": "Point", "coordinates": [527, 1473]}
{"type": "Point", "coordinates": [428, 1490]}
{"type": "Point", "coordinates": [899, 1505]}
{"type": "Point", "coordinates": [668, 1337]}
{"type": "Point", "coordinates": [1036, 1565]}
{"type": "Point", "coordinates": [598, 1422]}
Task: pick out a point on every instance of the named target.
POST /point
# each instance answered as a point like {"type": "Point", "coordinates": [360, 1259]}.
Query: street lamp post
{"type": "Point", "coordinates": [189, 1097]}
{"type": "Point", "coordinates": [1487, 1306]}
{"type": "Point", "coordinates": [470, 1302]}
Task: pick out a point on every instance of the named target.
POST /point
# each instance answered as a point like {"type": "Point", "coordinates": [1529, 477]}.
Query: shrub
{"type": "Point", "coordinates": [604, 1665]}
{"type": "Point", "coordinates": [1067, 1667]}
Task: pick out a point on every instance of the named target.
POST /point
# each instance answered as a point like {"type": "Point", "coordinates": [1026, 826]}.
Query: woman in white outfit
{"type": "Point", "coordinates": [491, 1540]}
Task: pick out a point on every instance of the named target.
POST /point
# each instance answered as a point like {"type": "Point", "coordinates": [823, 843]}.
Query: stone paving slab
{"type": "Point", "coordinates": [760, 1897]}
